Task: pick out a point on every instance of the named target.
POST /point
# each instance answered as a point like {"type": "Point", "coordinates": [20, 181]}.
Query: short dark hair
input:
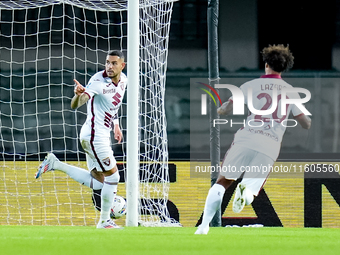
{"type": "Point", "coordinates": [278, 57]}
{"type": "Point", "coordinates": [116, 53]}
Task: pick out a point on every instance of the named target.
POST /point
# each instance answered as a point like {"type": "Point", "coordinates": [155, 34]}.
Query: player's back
{"type": "Point", "coordinates": [264, 132]}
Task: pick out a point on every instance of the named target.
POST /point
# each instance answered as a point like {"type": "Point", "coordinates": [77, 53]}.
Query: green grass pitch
{"type": "Point", "coordinates": [65, 240]}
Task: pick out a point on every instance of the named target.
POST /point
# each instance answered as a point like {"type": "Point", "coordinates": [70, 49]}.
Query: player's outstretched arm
{"type": "Point", "coordinates": [80, 97]}
{"type": "Point", "coordinates": [225, 108]}
{"type": "Point", "coordinates": [304, 121]}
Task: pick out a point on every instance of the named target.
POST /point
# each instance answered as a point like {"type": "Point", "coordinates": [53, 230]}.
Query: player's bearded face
{"type": "Point", "coordinates": [114, 66]}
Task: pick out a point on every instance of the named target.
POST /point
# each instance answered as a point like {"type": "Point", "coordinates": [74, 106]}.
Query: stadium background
{"type": "Point", "coordinates": [313, 32]}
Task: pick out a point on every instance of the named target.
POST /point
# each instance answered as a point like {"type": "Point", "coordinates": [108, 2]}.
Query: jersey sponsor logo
{"type": "Point", "coordinates": [109, 91]}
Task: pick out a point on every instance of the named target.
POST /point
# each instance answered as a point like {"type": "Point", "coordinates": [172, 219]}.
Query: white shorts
{"type": "Point", "coordinates": [99, 155]}
{"type": "Point", "coordinates": [253, 165]}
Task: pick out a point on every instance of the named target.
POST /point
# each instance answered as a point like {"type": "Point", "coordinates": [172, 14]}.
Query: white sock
{"type": "Point", "coordinates": [212, 203]}
{"type": "Point", "coordinates": [78, 174]}
{"type": "Point", "coordinates": [108, 194]}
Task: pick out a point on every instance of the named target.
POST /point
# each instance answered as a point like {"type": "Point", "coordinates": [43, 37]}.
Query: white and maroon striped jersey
{"type": "Point", "coordinates": [264, 133]}
{"type": "Point", "coordinates": [103, 105]}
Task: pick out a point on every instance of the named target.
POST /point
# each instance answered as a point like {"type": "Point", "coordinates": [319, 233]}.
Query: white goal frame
{"type": "Point", "coordinates": [148, 23]}
{"type": "Point", "coordinates": [132, 156]}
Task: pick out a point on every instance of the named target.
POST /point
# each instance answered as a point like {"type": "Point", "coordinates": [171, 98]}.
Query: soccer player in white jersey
{"type": "Point", "coordinates": [254, 145]}
{"type": "Point", "coordinates": [103, 95]}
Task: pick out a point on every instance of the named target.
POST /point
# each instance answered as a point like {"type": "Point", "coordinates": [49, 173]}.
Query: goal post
{"type": "Point", "coordinates": [44, 45]}
{"type": "Point", "coordinates": [132, 163]}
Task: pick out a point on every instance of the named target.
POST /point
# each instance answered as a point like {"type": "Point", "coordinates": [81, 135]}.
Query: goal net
{"type": "Point", "coordinates": [44, 45]}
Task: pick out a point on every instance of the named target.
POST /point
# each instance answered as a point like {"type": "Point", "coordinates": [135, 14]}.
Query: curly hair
{"type": "Point", "coordinates": [278, 57]}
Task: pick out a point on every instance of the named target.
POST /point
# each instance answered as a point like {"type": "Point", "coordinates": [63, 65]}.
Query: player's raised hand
{"type": "Point", "coordinates": [78, 89]}
{"type": "Point", "coordinates": [80, 97]}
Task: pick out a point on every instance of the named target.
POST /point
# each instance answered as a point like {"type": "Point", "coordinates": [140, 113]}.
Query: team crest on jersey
{"type": "Point", "coordinates": [122, 86]}
{"type": "Point", "coordinates": [106, 161]}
